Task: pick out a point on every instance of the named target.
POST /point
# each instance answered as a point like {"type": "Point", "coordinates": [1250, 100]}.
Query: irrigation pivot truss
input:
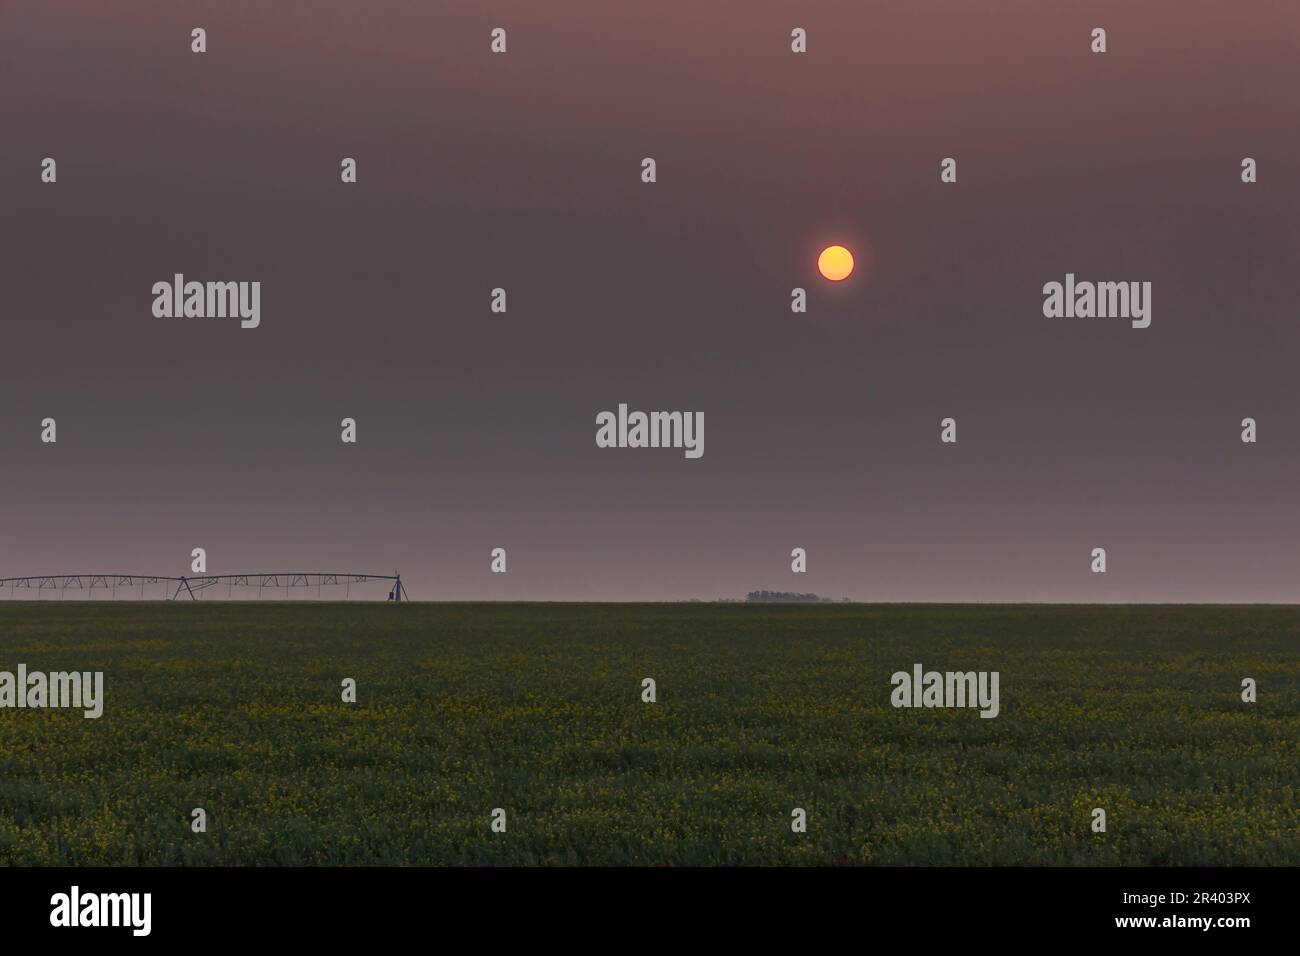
{"type": "Point", "coordinates": [195, 584]}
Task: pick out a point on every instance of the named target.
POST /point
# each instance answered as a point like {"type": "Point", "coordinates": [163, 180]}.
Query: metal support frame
{"type": "Point", "coordinates": [192, 584]}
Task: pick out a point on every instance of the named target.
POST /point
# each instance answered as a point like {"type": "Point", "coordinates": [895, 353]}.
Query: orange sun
{"type": "Point", "coordinates": [835, 263]}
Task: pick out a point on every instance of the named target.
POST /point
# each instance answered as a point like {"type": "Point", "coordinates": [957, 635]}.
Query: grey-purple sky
{"type": "Point", "coordinates": [523, 171]}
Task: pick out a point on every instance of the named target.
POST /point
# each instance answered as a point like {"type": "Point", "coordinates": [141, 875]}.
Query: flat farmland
{"type": "Point", "coordinates": [537, 709]}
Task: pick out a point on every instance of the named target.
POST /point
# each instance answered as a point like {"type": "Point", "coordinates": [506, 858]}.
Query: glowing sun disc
{"type": "Point", "coordinates": [835, 263]}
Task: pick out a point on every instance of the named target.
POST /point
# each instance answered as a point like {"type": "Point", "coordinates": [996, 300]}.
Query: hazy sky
{"type": "Point", "coordinates": [523, 171]}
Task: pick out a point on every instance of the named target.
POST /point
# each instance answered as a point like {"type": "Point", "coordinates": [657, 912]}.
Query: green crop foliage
{"type": "Point", "coordinates": [536, 708]}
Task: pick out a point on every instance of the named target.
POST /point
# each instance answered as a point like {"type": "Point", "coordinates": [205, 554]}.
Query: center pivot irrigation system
{"type": "Point", "coordinates": [194, 584]}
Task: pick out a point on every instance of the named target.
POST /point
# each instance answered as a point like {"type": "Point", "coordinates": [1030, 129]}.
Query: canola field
{"type": "Point", "coordinates": [537, 710]}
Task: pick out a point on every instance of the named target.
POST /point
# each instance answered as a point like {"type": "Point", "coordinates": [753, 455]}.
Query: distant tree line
{"type": "Point", "coordinates": [786, 597]}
